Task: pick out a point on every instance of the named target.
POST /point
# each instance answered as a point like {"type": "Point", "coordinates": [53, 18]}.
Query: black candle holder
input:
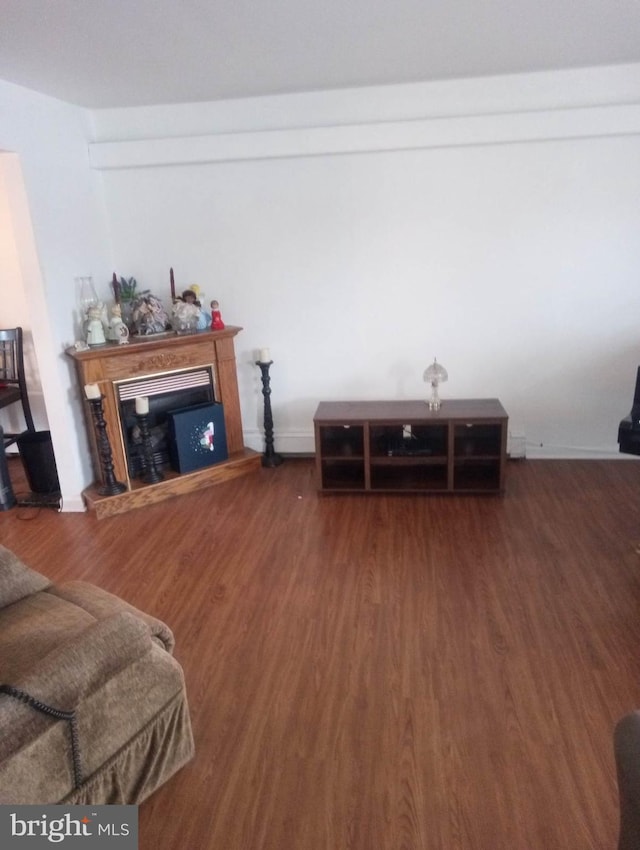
{"type": "Point", "coordinates": [150, 472]}
{"type": "Point", "coordinates": [110, 486]}
{"type": "Point", "coordinates": [270, 458]}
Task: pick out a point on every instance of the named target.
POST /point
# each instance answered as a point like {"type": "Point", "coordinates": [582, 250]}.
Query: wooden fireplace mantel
{"type": "Point", "coordinates": [153, 355]}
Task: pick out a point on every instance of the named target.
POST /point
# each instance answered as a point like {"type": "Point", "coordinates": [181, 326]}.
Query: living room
{"type": "Point", "coordinates": [485, 215]}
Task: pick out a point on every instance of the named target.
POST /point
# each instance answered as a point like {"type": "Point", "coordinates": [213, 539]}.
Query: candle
{"type": "Point", "coordinates": [142, 405]}
{"type": "Point", "coordinates": [92, 391]}
{"type": "Point", "coordinates": [265, 355]}
{"type": "Point", "coordinates": [173, 285]}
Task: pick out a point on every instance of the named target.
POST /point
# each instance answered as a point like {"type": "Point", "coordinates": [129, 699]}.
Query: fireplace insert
{"type": "Point", "coordinates": [165, 393]}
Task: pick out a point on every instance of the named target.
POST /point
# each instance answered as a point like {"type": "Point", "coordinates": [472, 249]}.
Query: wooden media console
{"type": "Point", "coordinates": [403, 446]}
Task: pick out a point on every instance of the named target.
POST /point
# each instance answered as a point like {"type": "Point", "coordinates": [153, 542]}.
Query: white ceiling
{"type": "Point", "coordinates": [111, 53]}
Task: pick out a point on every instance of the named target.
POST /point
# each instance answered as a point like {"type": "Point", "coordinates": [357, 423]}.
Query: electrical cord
{"type": "Point", "coordinates": [59, 714]}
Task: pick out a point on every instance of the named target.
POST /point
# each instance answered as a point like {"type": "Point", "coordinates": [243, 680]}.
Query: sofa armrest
{"type": "Point", "coordinates": [100, 603]}
{"type": "Point", "coordinates": [16, 579]}
{"type": "Point", "coordinates": [69, 673]}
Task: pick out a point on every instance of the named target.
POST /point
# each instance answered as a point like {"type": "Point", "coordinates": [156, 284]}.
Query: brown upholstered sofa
{"type": "Point", "coordinates": [120, 726]}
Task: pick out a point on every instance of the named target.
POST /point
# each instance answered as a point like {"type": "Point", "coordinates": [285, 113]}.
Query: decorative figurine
{"type": "Point", "coordinates": [216, 317]}
{"type": "Point", "coordinates": [118, 331]}
{"type": "Point", "coordinates": [148, 314]}
{"type": "Point", "coordinates": [198, 293]}
{"type": "Point", "coordinates": [185, 316]}
{"type": "Point", "coordinates": [95, 328]}
{"type": "Point", "coordinates": [190, 296]}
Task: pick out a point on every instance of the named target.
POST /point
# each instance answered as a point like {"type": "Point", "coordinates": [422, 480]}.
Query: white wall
{"type": "Point", "coordinates": [52, 201]}
{"type": "Point", "coordinates": [491, 223]}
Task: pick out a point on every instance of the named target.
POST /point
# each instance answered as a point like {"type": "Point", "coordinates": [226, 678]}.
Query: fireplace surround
{"type": "Point", "coordinates": [172, 370]}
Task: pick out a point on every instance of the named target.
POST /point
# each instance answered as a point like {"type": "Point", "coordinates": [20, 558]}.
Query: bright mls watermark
{"type": "Point", "coordinates": [101, 827]}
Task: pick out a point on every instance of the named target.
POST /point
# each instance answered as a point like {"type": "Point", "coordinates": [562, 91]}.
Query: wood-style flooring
{"type": "Point", "coordinates": [383, 672]}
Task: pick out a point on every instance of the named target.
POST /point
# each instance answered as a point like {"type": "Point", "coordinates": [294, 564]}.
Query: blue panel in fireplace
{"type": "Point", "coordinates": [197, 437]}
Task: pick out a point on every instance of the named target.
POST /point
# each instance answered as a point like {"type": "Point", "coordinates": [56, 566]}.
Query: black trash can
{"type": "Point", "coordinates": [36, 451]}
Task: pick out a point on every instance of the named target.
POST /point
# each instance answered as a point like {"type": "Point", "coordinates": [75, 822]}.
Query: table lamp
{"type": "Point", "coordinates": [435, 374]}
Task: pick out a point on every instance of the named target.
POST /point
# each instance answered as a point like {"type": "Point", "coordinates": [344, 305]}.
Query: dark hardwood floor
{"type": "Point", "coordinates": [383, 672]}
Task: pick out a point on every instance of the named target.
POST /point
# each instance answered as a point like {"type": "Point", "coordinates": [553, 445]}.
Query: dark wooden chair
{"type": "Point", "coordinates": [13, 385]}
{"type": "Point", "coordinates": [626, 744]}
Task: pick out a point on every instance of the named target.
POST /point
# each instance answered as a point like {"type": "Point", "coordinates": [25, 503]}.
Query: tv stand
{"type": "Point", "coordinates": [403, 446]}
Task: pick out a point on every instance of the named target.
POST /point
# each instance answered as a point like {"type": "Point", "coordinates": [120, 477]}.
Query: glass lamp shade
{"type": "Point", "coordinates": [87, 296]}
{"type": "Point", "coordinates": [435, 375]}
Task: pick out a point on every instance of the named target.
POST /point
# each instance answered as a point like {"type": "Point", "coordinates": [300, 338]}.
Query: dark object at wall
{"type": "Point", "coordinates": [36, 451]}
{"type": "Point", "coordinates": [629, 428]}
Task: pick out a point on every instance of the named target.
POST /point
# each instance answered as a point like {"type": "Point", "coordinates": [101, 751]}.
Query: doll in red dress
{"type": "Point", "coordinates": [216, 317]}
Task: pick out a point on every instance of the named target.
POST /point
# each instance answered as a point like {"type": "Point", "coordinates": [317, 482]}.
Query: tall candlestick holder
{"type": "Point", "coordinates": [270, 458]}
{"type": "Point", "coordinates": [110, 486]}
{"type": "Point", "coordinates": [150, 472]}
